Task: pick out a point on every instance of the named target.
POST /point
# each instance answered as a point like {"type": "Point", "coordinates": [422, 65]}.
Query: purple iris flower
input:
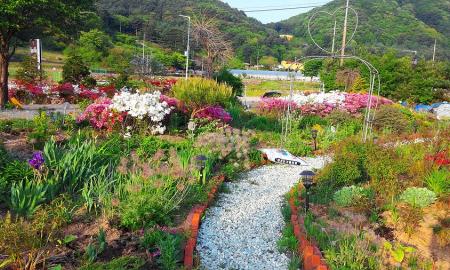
{"type": "Point", "coordinates": [37, 160]}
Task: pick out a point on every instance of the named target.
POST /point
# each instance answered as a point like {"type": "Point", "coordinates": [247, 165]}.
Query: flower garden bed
{"type": "Point", "coordinates": [116, 192]}
{"type": "Point", "coordinates": [307, 249]}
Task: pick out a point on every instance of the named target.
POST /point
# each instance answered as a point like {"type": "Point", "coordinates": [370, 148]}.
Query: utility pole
{"type": "Point", "coordinates": [143, 55]}
{"type": "Point", "coordinates": [434, 50]}
{"type": "Point", "coordinates": [344, 36]}
{"type": "Point", "coordinates": [188, 44]}
{"type": "Point", "coordinates": [334, 36]}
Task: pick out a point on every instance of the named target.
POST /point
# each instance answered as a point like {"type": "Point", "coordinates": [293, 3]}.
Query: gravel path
{"type": "Point", "coordinates": [242, 229]}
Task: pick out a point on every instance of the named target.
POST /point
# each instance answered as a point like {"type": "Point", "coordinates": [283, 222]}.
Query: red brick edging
{"type": "Point", "coordinates": [312, 257]}
{"type": "Point", "coordinates": [192, 224]}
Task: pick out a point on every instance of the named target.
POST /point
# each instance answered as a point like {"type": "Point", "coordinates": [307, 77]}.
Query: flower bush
{"type": "Point", "coordinates": [140, 106]}
{"type": "Point", "coordinates": [322, 104]}
{"type": "Point", "coordinates": [214, 113]}
{"type": "Point", "coordinates": [275, 106]}
{"type": "Point", "coordinates": [100, 115]}
{"type": "Point", "coordinates": [27, 92]}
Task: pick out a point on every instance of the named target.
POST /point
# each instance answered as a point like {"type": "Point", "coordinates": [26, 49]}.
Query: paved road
{"type": "Point", "coordinates": [30, 111]}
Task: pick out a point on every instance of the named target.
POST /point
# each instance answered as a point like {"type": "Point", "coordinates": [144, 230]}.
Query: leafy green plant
{"type": "Point", "coordinates": [150, 145]}
{"type": "Point", "coordinates": [122, 263]}
{"type": "Point", "coordinates": [288, 241]}
{"type": "Point", "coordinates": [170, 247]}
{"type": "Point", "coordinates": [224, 76]}
{"type": "Point", "coordinates": [26, 197]}
{"type": "Point", "coordinates": [352, 252]}
{"type": "Point", "coordinates": [310, 120]}
{"type": "Point", "coordinates": [13, 172]}
{"type": "Point", "coordinates": [398, 252]}
{"type": "Point", "coordinates": [352, 196]}
{"type": "Point", "coordinates": [418, 197]}
{"type": "Point", "coordinates": [439, 181]}
{"type": "Point", "coordinates": [93, 250]}
{"type": "Point", "coordinates": [69, 166]}
{"type": "Point", "coordinates": [393, 118]}
{"type": "Point", "coordinates": [42, 131]}
{"type": "Point", "coordinates": [295, 263]}
{"type": "Point", "coordinates": [145, 204]}
{"type": "Point", "coordinates": [168, 244]}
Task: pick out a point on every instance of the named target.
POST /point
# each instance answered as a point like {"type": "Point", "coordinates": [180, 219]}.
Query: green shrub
{"type": "Point", "coordinates": [393, 118]}
{"type": "Point", "coordinates": [13, 172]}
{"type": "Point", "coordinates": [338, 117]}
{"type": "Point", "coordinates": [26, 197]}
{"type": "Point", "coordinates": [288, 241]}
{"type": "Point", "coordinates": [79, 160]}
{"type": "Point", "coordinates": [150, 145]}
{"type": "Point", "coordinates": [146, 206]}
{"type": "Point", "coordinates": [29, 72]}
{"type": "Point", "coordinates": [224, 76]}
{"type": "Point", "coordinates": [197, 93]}
{"type": "Point", "coordinates": [170, 247]}
{"type": "Point", "coordinates": [4, 157]}
{"type": "Point", "coordinates": [352, 196]}
{"type": "Point", "coordinates": [439, 181]}
{"type": "Point", "coordinates": [384, 167]}
{"type": "Point", "coordinates": [168, 244]}
{"type": "Point", "coordinates": [43, 129]}
{"type": "Point", "coordinates": [348, 166]}
{"type": "Point", "coordinates": [418, 197]}
{"type": "Point", "coordinates": [311, 120]}
{"type": "Point", "coordinates": [74, 69]}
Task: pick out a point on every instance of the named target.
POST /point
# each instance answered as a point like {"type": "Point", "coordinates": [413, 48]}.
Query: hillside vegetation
{"type": "Point", "coordinates": [400, 24]}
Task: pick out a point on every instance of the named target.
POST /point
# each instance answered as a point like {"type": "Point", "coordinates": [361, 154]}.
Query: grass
{"type": "Point", "coordinates": [52, 63]}
{"type": "Point", "coordinates": [256, 88]}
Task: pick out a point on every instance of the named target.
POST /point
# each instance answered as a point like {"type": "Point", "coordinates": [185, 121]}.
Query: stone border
{"type": "Point", "coordinates": [192, 224]}
{"type": "Point", "coordinates": [308, 250]}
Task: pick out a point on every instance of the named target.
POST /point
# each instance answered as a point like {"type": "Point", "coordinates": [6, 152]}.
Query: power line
{"type": "Point", "coordinates": [278, 9]}
{"type": "Point", "coordinates": [280, 6]}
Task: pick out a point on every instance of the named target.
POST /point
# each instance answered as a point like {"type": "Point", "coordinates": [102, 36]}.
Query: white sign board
{"type": "Point", "coordinates": [284, 157]}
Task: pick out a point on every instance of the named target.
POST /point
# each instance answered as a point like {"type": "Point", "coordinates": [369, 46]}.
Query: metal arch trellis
{"type": "Point", "coordinates": [374, 82]}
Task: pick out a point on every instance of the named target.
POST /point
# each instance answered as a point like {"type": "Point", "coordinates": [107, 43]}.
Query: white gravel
{"type": "Point", "coordinates": [242, 229]}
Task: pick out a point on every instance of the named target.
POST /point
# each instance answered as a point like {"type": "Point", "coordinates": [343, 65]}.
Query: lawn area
{"type": "Point", "coordinates": [52, 63]}
{"type": "Point", "coordinates": [256, 88]}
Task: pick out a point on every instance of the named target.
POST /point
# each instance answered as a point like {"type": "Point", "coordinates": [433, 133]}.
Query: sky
{"type": "Point", "coordinates": [274, 16]}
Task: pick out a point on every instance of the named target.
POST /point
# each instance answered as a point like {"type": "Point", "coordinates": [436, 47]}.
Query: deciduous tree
{"type": "Point", "coordinates": [22, 20]}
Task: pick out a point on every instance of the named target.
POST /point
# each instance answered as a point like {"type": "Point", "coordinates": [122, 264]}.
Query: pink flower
{"type": "Point", "coordinates": [214, 113]}
{"type": "Point", "coordinates": [100, 115]}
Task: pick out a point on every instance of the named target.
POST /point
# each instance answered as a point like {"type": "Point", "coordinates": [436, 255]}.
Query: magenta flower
{"type": "Point", "coordinates": [214, 113]}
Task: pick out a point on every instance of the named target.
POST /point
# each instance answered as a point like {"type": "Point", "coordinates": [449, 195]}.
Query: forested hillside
{"type": "Point", "coordinates": [160, 21]}
{"type": "Point", "coordinates": [400, 24]}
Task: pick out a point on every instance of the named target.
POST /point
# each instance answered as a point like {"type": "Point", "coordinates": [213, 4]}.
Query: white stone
{"type": "Point", "coordinates": [242, 229]}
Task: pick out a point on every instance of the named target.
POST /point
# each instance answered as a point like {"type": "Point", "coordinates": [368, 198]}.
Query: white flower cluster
{"type": "Point", "coordinates": [334, 97]}
{"type": "Point", "coordinates": [141, 106]}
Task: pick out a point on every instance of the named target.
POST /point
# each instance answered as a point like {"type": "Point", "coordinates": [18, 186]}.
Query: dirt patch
{"type": "Point", "coordinates": [423, 239]}
{"type": "Point", "coordinates": [17, 145]}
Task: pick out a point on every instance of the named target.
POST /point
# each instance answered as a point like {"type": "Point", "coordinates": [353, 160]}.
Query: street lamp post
{"type": "Point", "coordinates": [314, 136]}
{"type": "Point", "coordinates": [307, 179]}
{"type": "Point", "coordinates": [188, 44]}
{"type": "Point", "coordinates": [200, 163]}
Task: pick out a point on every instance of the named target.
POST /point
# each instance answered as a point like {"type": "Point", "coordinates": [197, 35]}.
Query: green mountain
{"type": "Point", "coordinates": [400, 24]}
{"type": "Point", "coordinates": [160, 21]}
